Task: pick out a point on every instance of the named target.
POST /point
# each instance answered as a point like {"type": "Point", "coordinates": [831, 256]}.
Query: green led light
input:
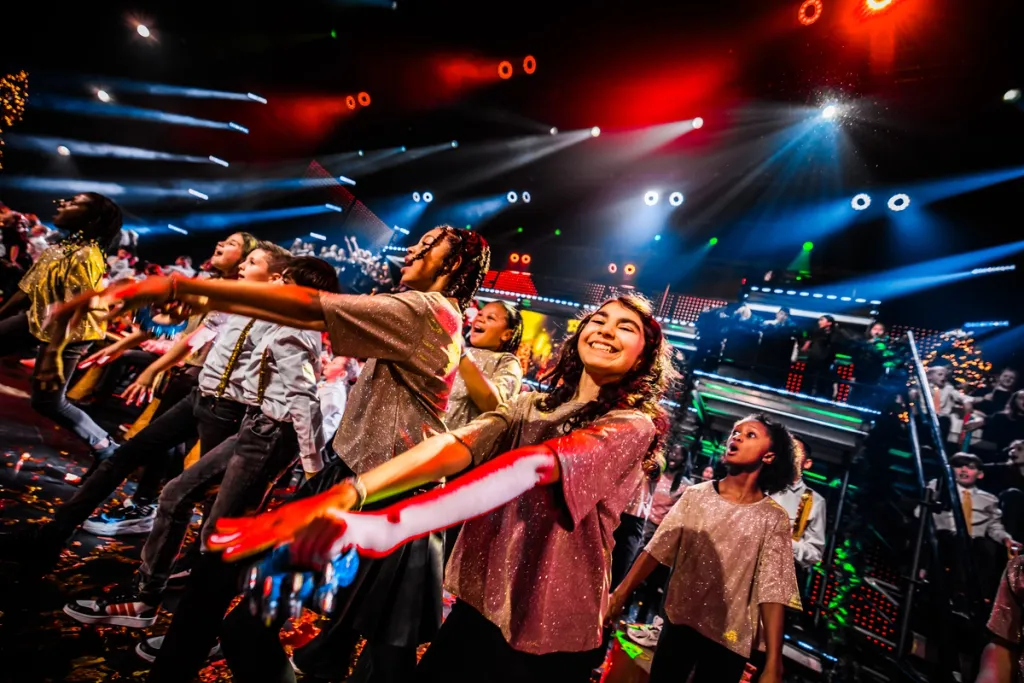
{"type": "Point", "coordinates": [334, 34]}
{"type": "Point", "coordinates": [808, 246]}
{"type": "Point", "coordinates": [519, 229]}
{"type": "Point", "coordinates": [469, 227]}
{"type": "Point", "coordinates": [557, 232]}
{"type": "Point", "coordinates": [713, 241]}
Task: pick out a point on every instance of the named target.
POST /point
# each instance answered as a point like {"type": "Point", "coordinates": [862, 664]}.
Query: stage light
{"type": "Point", "coordinates": [428, 197]}
{"type": "Point", "coordinates": [898, 202]}
{"type": "Point", "coordinates": [529, 64]}
{"type": "Point", "coordinates": [861, 202]}
{"type": "Point", "coordinates": [219, 162]}
{"type": "Point", "coordinates": [595, 131]}
{"type": "Point", "coordinates": [612, 268]}
{"type": "Point", "coordinates": [505, 70]}
{"type": "Point", "coordinates": [350, 102]}
{"type": "Point", "coordinates": [198, 194]}
{"type": "Point", "coordinates": [657, 238]}
{"type": "Point", "coordinates": [401, 230]}
{"type": "Point", "coordinates": [63, 151]}
{"type": "Point", "coordinates": [713, 241]}
{"type": "Point", "coordinates": [526, 259]}
{"type": "Point", "coordinates": [876, 5]}
{"type": "Point", "coordinates": [514, 258]}
{"type": "Point", "coordinates": [346, 180]}
{"type": "Point", "coordinates": [364, 99]}
{"type": "Point", "coordinates": [1011, 95]}
{"type": "Point", "coordinates": [553, 131]}
{"type": "Point", "coordinates": [360, 153]}
{"type": "Point", "coordinates": [557, 232]}
{"type": "Point", "coordinates": [829, 112]}
{"type": "Point", "coordinates": [241, 129]}
{"type": "Point", "coordinates": [402, 148]}
{"type": "Point", "coordinates": [256, 98]}
{"type": "Point", "coordinates": [629, 269]}
{"type": "Point", "coordinates": [651, 198]}
{"type": "Point", "coordinates": [675, 199]}
{"type": "Point", "coordinates": [175, 228]}
{"type": "Point", "coordinates": [455, 144]}
{"type": "Point", "coordinates": [416, 196]}
{"type": "Point", "coordinates": [526, 196]}
{"type": "Point", "coordinates": [143, 30]}
{"type": "Point", "coordinates": [810, 12]}
{"type": "Point", "coordinates": [519, 229]}
{"type": "Point", "coordinates": [318, 236]}
{"type": "Point", "coordinates": [697, 123]}
{"type": "Point", "coordinates": [102, 95]}
{"type": "Point", "coordinates": [512, 197]}
{"type": "Point", "coordinates": [333, 207]}
{"type": "Point", "coordinates": [334, 34]}
{"type": "Point", "coordinates": [808, 246]}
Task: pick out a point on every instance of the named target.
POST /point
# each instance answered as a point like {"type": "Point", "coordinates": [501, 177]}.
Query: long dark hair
{"type": "Point", "coordinates": [476, 260]}
{"type": "Point", "coordinates": [100, 222]}
{"type": "Point", "coordinates": [514, 321]}
{"type": "Point", "coordinates": [639, 389]}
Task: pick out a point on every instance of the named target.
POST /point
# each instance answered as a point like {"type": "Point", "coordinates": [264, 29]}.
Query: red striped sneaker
{"type": "Point", "coordinates": [129, 609]}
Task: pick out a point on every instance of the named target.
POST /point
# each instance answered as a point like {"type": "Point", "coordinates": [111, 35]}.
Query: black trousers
{"type": "Point", "coordinates": [211, 419]}
{"type": "Point", "coordinates": [629, 536]}
{"type": "Point", "coordinates": [682, 650]}
{"type": "Point", "coordinates": [169, 464]}
{"type": "Point", "coordinates": [470, 649]}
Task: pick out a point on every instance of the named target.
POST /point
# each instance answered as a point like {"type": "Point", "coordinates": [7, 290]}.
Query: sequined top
{"type": "Point", "coordinates": [504, 372]}
{"type": "Point", "coordinates": [60, 275]}
{"type": "Point", "coordinates": [413, 342]}
{"type": "Point", "coordinates": [539, 567]}
{"type": "Point", "coordinates": [726, 559]}
{"type": "Point", "coordinates": [1005, 621]}
{"type": "Point", "coordinates": [664, 497]}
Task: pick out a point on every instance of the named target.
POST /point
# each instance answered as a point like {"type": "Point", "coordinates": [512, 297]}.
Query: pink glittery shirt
{"type": "Point", "coordinates": [1005, 621]}
{"type": "Point", "coordinates": [539, 567]}
{"type": "Point", "coordinates": [727, 559]}
{"type": "Point", "coordinates": [413, 342]}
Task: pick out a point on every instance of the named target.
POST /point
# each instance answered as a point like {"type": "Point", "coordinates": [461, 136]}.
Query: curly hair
{"type": "Point", "coordinates": [780, 472]}
{"type": "Point", "coordinates": [467, 262]}
{"type": "Point", "coordinates": [101, 222]}
{"type": "Point", "coordinates": [639, 389]}
{"type": "Point", "coordinates": [514, 322]}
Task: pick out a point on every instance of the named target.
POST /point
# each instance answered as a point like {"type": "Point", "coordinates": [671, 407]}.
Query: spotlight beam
{"type": "Point", "coordinates": [91, 107]}
{"type": "Point", "coordinates": [46, 145]}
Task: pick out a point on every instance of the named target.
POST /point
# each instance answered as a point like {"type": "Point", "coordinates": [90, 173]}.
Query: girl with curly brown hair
{"type": "Point", "coordinates": [551, 474]}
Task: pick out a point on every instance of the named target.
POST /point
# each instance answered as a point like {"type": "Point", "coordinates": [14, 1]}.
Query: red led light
{"type": "Point", "coordinates": [612, 268]}
{"type": "Point", "coordinates": [505, 70]}
{"type": "Point", "coordinates": [526, 259]}
{"type": "Point", "coordinates": [364, 99]}
{"type": "Point", "coordinates": [350, 102]}
{"type": "Point", "coordinates": [630, 269]}
{"type": "Point", "coordinates": [810, 11]}
{"type": "Point", "coordinates": [529, 64]}
{"type": "Point", "coordinates": [514, 258]}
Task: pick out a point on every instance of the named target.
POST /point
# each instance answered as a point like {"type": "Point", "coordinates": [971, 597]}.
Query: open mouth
{"type": "Point", "coordinates": [478, 330]}
{"type": "Point", "coordinates": [604, 347]}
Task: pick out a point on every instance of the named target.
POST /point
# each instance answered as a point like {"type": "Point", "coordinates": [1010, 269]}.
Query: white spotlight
{"type": "Point", "coordinates": [416, 196]}
{"type": "Point", "coordinates": [333, 207]}
{"type": "Point", "coordinates": [256, 98]}
{"type": "Point", "coordinates": [102, 95]}
{"type": "Point", "coordinates": [63, 151]}
{"type": "Point", "coordinates": [595, 131]}
{"type": "Point", "coordinates": [512, 197]}
{"type": "Point", "coordinates": [219, 161]}
{"type": "Point", "coordinates": [829, 112]}
{"type": "Point", "coordinates": [360, 152]}
{"type": "Point", "coordinates": [1011, 95]}
{"type": "Point", "coordinates": [675, 199]}
{"type": "Point", "coordinates": [697, 123]}
{"type": "Point", "coordinates": [455, 144]}
{"type": "Point", "coordinates": [175, 228]}
{"type": "Point", "coordinates": [861, 202]}
{"type": "Point", "coordinates": [318, 236]}
{"type": "Point", "coordinates": [346, 180]}
{"type": "Point", "coordinates": [651, 198]}
{"type": "Point", "coordinates": [898, 202]}
{"type": "Point", "coordinates": [553, 131]}
{"type": "Point", "coordinates": [428, 197]}
{"type": "Point", "coordinates": [526, 196]}
{"type": "Point", "coordinates": [198, 194]}
{"type": "Point", "coordinates": [142, 30]}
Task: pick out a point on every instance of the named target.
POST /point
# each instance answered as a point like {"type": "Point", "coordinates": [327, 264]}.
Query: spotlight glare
{"type": "Point", "coordinates": [428, 197]}
{"type": "Point", "coordinates": [861, 202]}
{"type": "Point", "coordinates": [651, 198]}
{"type": "Point", "coordinates": [175, 228]}
{"type": "Point", "coordinates": [363, 99]}
{"type": "Point", "coordinates": [360, 153]}
{"type": "Point", "coordinates": [416, 196]}
{"type": "Point", "coordinates": [256, 98]}
{"type": "Point", "coordinates": [505, 70]}
{"type": "Point", "coordinates": [143, 30]}
{"type": "Point", "coordinates": [198, 194]}
{"type": "Point", "coordinates": [455, 144]}
{"type": "Point", "coordinates": [318, 236]}
{"type": "Point", "coordinates": [526, 196]}
{"type": "Point", "coordinates": [63, 151]}
{"type": "Point", "coordinates": [219, 161]}
{"type": "Point", "coordinates": [526, 259]}
{"type": "Point", "coordinates": [595, 131]}
{"type": "Point", "coordinates": [102, 95]}
{"type": "Point", "coordinates": [1011, 95]}
{"type": "Point", "coordinates": [519, 229]}
{"type": "Point", "coordinates": [629, 269]}
{"type": "Point", "coordinates": [829, 112]}
{"type": "Point", "coordinates": [809, 12]}
{"type": "Point", "coordinates": [558, 231]}
{"type": "Point", "coordinates": [350, 102]}
{"type": "Point", "coordinates": [241, 129]}
{"type": "Point", "coordinates": [898, 202]}
{"type": "Point", "coordinates": [875, 5]}
{"type": "Point", "coordinates": [529, 64]}
{"type": "Point", "coordinates": [808, 246]}
{"type": "Point", "coordinates": [553, 131]}
{"type": "Point", "coordinates": [657, 238]}
{"type": "Point", "coordinates": [333, 207]}
{"type": "Point", "coordinates": [514, 258]}
{"type": "Point", "coordinates": [346, 180]}
{"type": "Point", "coordinates": [676, 198]}
{"type": "Point", "coordinates": [713, 241]}
{"type": "Point", "coordinates": [402, 148]}
{"type": "Point", "coordinates": [512, 197]}
{"type": "Point", "coordinates": [612, 268]}
{"type": "Point", "coordinates": [697, 123]}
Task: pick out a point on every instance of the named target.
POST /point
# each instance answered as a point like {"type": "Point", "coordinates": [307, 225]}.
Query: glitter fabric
{"type": "Point", "coordinates": [1005, 621]}
{"type": "Point", "coordinates": [726, 559]}
{"type": "Point", "coordinates": [61, 274]}
{"type": "Point", "coordinates": [505, 373]}
{"type": "Point", "coordinates": [539, 567]}
{"type": "Point", "coordinates": [413, 343]}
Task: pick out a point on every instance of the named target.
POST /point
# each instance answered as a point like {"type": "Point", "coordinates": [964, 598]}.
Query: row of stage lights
{"type": "Point", "coordinates": [512, 197]}
{"type": "Point", "coordinates": [524, 259]}
{"type": "Point", "coordinates": [628, 269]}
{"type": "Point", "coordinates": [505, 69]}
{"type": "Point", "coordinates": [897, 202]}
{"type": "Point", "coordinates": [811, 10]}
{"type": "Point", "coordinates": [651, 197]}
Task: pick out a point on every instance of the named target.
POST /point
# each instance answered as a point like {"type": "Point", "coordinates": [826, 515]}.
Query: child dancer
{"type": "Point", "coordinates": [531, 574]}
{"type": "Point", "coordinates": [729, 546]}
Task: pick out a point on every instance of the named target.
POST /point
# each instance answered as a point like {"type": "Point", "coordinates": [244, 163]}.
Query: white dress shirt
{"type": "Point", "coordinates": [809, 548]}
{"type": "Point", "coordinates": [986, 515]}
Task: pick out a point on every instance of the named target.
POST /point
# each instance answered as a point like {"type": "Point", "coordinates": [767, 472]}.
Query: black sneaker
{"type": "Point", "coordinates": [122, 521]}
{"type": "Point", "coordinates": [129, 609]}
{"type": "Point", "coordinates": [149, 648]}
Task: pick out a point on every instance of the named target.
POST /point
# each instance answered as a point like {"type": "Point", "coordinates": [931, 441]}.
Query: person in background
{"type": "Point", "coordinates": [64, 271]}
{"type": "Point", "coordinates": [340, 373]}
{"type": "Point", "coordinates": [806, 510]}
{"type": "Point", "coordinates": [1002, 661]}
{"type": "Point", "coordinates": [778, 342]}
{"type": "Point", "coordinates": [820, 350]}
{"type": "Point", "coordinates": [182, 266]}
{"type": "Point", "coordinates": [1004, 427]}
{"type": "Point", "coordinates": [730, 549]}
{"type": "Point", "coordinates": [14, 228]}
{"type": "Point", "coordinates": [38, 238]}
{"type": "Point", "coordinates": [946, 398]}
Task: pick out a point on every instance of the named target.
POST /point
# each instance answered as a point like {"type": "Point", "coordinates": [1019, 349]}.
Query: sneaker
{"type": "Point", "coordinates": [127, 519]}
{"type": "Point", "coordinates": [149, 648]}
{"type": "Point", "coordinates": [645, 635]}
{"type": "Point", "coordinates": [125, 609]}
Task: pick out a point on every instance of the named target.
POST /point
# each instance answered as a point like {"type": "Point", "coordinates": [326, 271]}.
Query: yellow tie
{"type": "Point", "coordinates": [233, 360]}
{"type": "Point", "coordinates": [965, 500]}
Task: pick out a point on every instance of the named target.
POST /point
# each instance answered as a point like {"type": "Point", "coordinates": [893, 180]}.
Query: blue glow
{"type": "Point", "coordinates": [220, 221]}
{"type": "Point", "coordinates": [175, 228]}
{"type": "Point", "coordinates": [91, 107]}
{"type": "Point", "coordinates": [333, 207]}
{"type": "Point", "coordinates": [993, 269]}
{"type": "Point", "coordinates": [986, 324]}
{"type": "Point", "coordinates": [126, 193]}
{"type": "Point", "coordinates": [256, 98]}
{"type": "Point", "coordinates": [401, 230]}
{"type": "Point", "coordinates": [48, 145]}
{"type": "Point", "coordinates": [318, 236]}
{"type": "Point", "coordinates": [346, 180]}
{"type": "Point", "coordinates": [240, 129]}
{"type": "Point", "coordinates": [197, 193]}
{"type": "Point", "coordinates": [219, 161]}
{"type": "Point", "coordinates": [164, 89]}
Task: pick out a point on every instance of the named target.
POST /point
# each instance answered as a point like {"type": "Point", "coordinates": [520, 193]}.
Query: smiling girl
{"type": "Point", "coordinates": [730, 549]}
{"type": "Point", "coordinates": [552, 473]}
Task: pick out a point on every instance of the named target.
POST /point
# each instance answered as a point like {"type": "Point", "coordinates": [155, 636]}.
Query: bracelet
{"type": "Point", "coordinates": [360, 488]}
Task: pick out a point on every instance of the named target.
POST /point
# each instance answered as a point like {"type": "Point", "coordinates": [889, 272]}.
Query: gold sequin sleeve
{"type": "Point", "coordinates": [385, 326]}
{"type": "Point", "coordinates": [1005, 621]}
{"type": "Point", "coordinates": [84, 272]}
{"type": "Point", "coordinates": [775, 576]}
{"type": "Point", "coordinates": [58, 277]}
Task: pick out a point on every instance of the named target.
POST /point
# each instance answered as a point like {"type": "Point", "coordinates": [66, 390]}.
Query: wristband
{"type": "Point", "coordinates": [360, 488]}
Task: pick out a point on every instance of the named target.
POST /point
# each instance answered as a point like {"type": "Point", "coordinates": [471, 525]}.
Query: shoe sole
{"type": "Point", "coordinates": [142, 526]}
{"type": "Point", "coordinates": [215, 654]}
{"type": "Point", "coordinates": [110, 619]}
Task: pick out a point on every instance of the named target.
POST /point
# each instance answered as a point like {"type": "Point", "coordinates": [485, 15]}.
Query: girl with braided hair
{"type": "Point", "coordinates": [412, 340]}
{"type": "Point", "coordinates": [550, 475]}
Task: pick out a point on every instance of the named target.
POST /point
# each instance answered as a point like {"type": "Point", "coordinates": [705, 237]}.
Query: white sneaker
{"type": "Point", "coordinates": [645, 635]}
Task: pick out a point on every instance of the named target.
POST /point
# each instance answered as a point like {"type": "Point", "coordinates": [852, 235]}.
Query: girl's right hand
{"type": "Point", "coordinates": [140, 391]}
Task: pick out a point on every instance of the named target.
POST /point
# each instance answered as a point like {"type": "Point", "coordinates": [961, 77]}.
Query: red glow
{"type": "Point", "coordinates": [876, 5]}
{"type": "Point", "coordinates": [364, 99]}
{"type": "Point", "coordinates": [529, 64]}
{"type": "Point", "coordinates": [612, 268]}
{"type": "Point", "coordinates": [505, 70]}
{"type": "Point", "coordinates": [514, 258]}
{"type": "Point", "coordinates": [630, 269]}
{"type": "Point", "coordinates": [810, 12]}
{"type": "Point", "coordinates": [526, 259]}
{"type": "Point", "coordinates": [350, 102]}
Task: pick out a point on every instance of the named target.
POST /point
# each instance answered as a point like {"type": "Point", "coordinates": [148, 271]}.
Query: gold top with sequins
{"type": "Point", "coordinates": [63, 272]}
{"type": "Point", "coordinates": [1005, 621]}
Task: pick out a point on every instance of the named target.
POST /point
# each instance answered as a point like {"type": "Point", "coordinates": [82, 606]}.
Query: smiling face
{"type": "Point", "coordinates": [490, 328]}
{"type": "Point", "coordinates": [421, 274]}
{"type": "Point", "coordinates": [611, 342]}
{"type": "Point", "coordinates": [69, 209]}
{"type": "Point", "coordinates": [749, 446]}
